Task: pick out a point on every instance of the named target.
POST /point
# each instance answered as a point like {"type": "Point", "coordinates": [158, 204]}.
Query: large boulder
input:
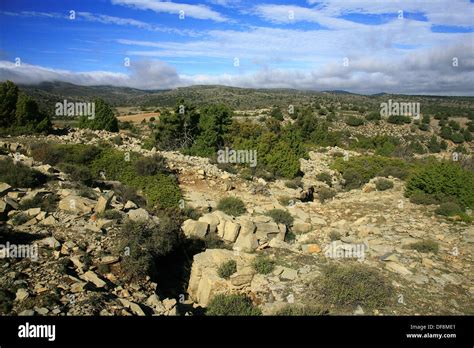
{"type": "Point", "coordinates": [205, 283]}
{"type": "Point", "coordinates": [103, 203]}
{"type": "Point", "coordinates": [139, 214]}
{"type": "Point", "coordinates": [268, 231]}
{"type": "Point", "coordinates": [231, 231]}
{"type": "Point", "coordinates": [213, 220]}
{"type": "Point", "coordinates": [4, 188]}
{"type": "Point", "coordinates": [247, 239]}
{"type": "Point", "coordinates": [76, 204]}
{"type": "Point", "coordinates": [302, 227]}
{"type": "Point", "coordinates": [193, 228]}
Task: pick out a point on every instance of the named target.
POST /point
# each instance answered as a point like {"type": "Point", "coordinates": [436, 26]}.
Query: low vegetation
{"type": "Point", "coordinates": [383, 184]}
{"type": "Point", "coordinates": [227, 268]}
{"type": "Point", "coordinates": [231, 305]}
{"type": "Point", "coordinates": [347, 286]}
{"type": "Point", "coordinates": [263, 264]}
{"type": "Point", "coordinates": [141, 242]}
{"type": "Point", "coordinates": [18, 175]}
{"type": "Point", "coordinates": [425, 246]}
{"type": "Point", "coordinates": [232, 206]}
{"type": "Point", "coordinates": [281, 216]}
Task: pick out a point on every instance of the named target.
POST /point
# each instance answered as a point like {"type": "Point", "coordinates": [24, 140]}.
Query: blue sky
{"type": "Point", "coordinates": [365, 46]}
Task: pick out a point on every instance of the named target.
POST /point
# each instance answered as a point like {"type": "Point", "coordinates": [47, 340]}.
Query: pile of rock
{"type": "Point", "coordinates": [245, 232]}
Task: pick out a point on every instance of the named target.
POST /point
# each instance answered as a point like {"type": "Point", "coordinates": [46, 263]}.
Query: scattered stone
{"type": "Point", "coordinates": [21, 294]}
{"type": "Point", "coordinates": [397, 268]}
{"type": "Point", "coordinates": [4, 188]}
{"type": "Point", "coordinates": [311, 248]}
{"type": "Point", "coordinates": [94, 278]}
{"type": "Point", "coordinates": [139, 214]}
{"type": "Point", "coordinates": [193, 228]}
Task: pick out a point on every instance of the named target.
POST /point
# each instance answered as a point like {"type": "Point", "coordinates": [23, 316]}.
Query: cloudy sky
{"type": "Point", "coordinates": [363, 46]}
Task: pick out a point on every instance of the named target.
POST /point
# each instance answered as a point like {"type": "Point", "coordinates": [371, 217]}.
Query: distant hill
{"type": "Point", "coordinates": [49, 93]}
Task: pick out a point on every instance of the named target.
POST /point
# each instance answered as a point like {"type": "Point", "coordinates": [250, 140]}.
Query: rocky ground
{"type": "Point", "coordinates": [75, 271]}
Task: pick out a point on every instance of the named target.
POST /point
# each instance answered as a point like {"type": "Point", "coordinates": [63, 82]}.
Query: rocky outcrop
{"type": "Point", "coordinates": [204, 282]}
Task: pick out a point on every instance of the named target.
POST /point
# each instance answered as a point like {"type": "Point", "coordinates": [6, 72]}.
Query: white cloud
{"type": "Point", "coordinates": [427, 71]}
{"type": "Point", "coordinates": [439, 12]}
{"type": "Point", "coordinates": [193, 11]}
{"type": "Point", "coordinates": [143, 74]}
{"type": "Point", "coordinates": [104, 19]}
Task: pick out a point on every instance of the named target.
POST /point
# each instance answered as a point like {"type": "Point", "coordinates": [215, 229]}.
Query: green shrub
{"type": "Point", "coordinates": [6, 301]}
{"type": "Point", "coordinates": [334, 235]}
{"type": "Point", "coordinates": [20, 219]}
{"type": "Point", "coordinates": [352, 285]}
{"type": "Point", "coordinates": [354, 121]}
{"type": "Point", "coordinates": [419, 197]}
{"type": "Point", "coordinates": [286, 200]}
{"type": "Point", "coordinates": [110, 214]}
{"type": "Point", "coordinates": [383, 184]}
{"type": "Point", "coordinates": [47, 203]}
{"type": "Point", "coordinates": [395, 119]}
{"type": "Point", "coordinates": [302, 310]}
{"type": "Point", "coordinates": [325, 177]}
{"type": "Point", "coordinates": [232, 206]}
{"type": "Point", "coordinates": [117, 140]}
{"type": "Point", "coordinates": [443, 180]}
{"type": "Point", "coordinates": [141, 242]}
{"type": "Point", "coordinates": [231, 305]}
{"type": "Point", "coordinates": [433, 145]}
{"type": "Point", "coordinates": [416, 147]}
{"type": "Point", "coordinates": [53, 154]}
{"type": "Point", "coordinates": [324, 194]}
{"type": "Point", "coordinates": [352, 179]}
{"type": "Point", "coordinates": [449, 209]}
{"type": "Point", "coordinates": [126, 193]}
{"type": "Point", "coordinates": [77, 173]}
{"type": "Point", "coordinates": [227, 268]}
{"type": "Point", "coordinates": [359, 170]}
{"type": "Point", "coordinates": [18, 175]}
{"type": "Point", "coordinates": [263, 264]}
{"type": "Point", "coordinates": [394, 171]}
{"type": "Point", "coordinates": [281, 216]}
{"type": "Point", "coordinates": [160, 189]}
{"type": "Point", "coordinates": [290, 236]}
{"type": "Point", "coordinates": [424, 127]}
{"type": "Point", "coordinates": [457, 138]}
{"type": "Point", "coordinates": [191, 213]}
{"type": "Point", "coordinates": [425, 246]}
{"type": "Point", "coordinates": [148, 166]}
{"type": "Point", "coordinates": [104, 118]}
{"type": "Point", "coordinates": [277, 114]}
{"type": "Point", "coordinates": [373, 116]}
{"type": "Point", "coordinates": [283, 160]}
{"type": "Point", "coordinates": [294, 184]}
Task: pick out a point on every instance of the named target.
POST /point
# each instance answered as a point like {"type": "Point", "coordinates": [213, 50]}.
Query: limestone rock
{"type": "Point", "coordinates": [103, 203]}
{"type": "Point", "coordinates": [193, 228]}
{"type": "Point", "coordinates": [231, 231]}
{"type": "Point", "coordinates": [212, 219]}
{"type": "Point", "coordinates": [76, 204]}
{"type": "Point", "coordinates": [138, 215]}
{"type": "Point", "coordinates": [94, 278]}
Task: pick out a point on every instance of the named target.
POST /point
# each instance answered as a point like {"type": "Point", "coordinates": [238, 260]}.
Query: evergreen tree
{"type": "Point", "coordinates": [27, 112]}
{"type": "Point", "coordinates": [104, 118]}
{"type": "Point", "coordinates": [8, 100]}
